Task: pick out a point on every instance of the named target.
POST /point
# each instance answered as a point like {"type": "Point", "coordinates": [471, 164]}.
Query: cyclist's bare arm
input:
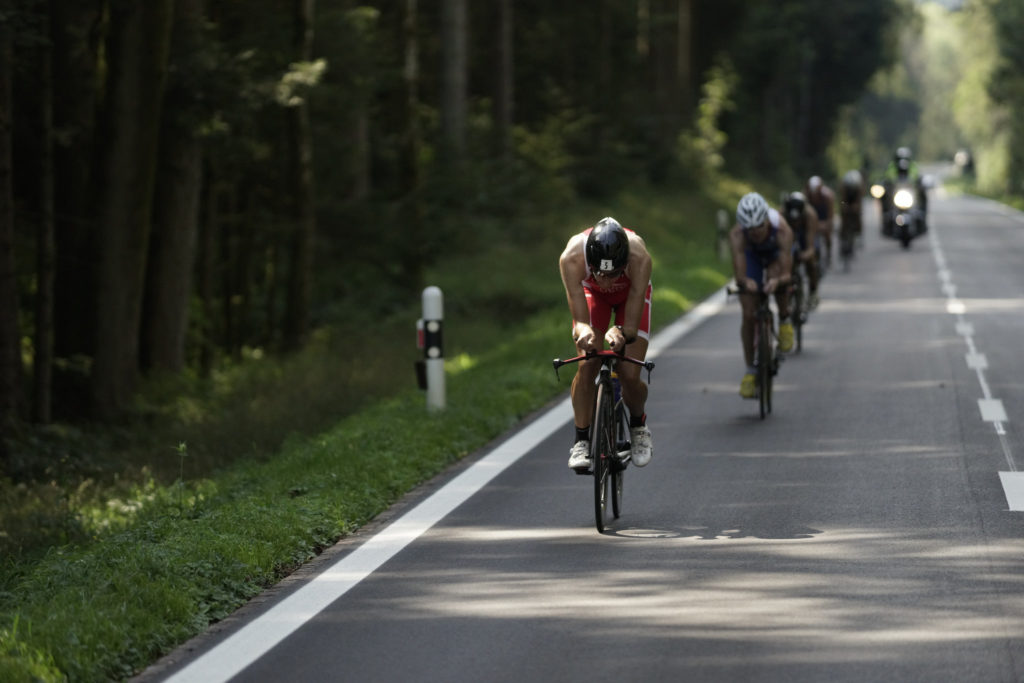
{"type": "Point", "coordinates": [639, 272]}
{"type": "Point", "coordinates": [785, 238]}
{"type": "Point", "coordinates": [811, 221]}
{"type": "Point", "coordinates": [739, 260]}
{"type": "Point", "coordinates": [573, 268]}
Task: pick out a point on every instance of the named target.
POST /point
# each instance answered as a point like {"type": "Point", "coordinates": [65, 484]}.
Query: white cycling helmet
{"type": "Point", "coordinates": [751, 211]}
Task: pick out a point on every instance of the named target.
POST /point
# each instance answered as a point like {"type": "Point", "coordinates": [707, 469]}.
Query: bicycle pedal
{"type": "Point", "coordinates": [583, 471]}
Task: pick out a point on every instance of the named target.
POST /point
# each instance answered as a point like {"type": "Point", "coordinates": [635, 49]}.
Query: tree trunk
{"type": "Point", "coordinates": [410, 208]}
{"type": "Point", "coordinates": [300, 255]}
{"type": "Point", "coordinates": [176, 205]}
{"type": "Point", "coordinates": [42, 366]}
{"type": "Point", "coordinates": [206, 274]}
{"type": "Point", "coordinates": [665, 86]}
{"type": "Point", "coordinates": [361, 171]}
{"type": "Point", "coordinates": [453, 79]}
{"type": "Point", "coordinates": [9, 337]}
{"type": "Point", "coordinates": [504, 97]}
{"type": "Point", "coordinates": [73, 28]}
{"type": "Point", "coordinates": [409, 174]}
{"type": "Point", "coordinates": [136, 59]}
{"type": "Point", "coordinates": [684, 61]}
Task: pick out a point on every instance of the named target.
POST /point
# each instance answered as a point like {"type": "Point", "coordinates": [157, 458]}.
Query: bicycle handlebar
{"type": "Point", "coordinates": [605, 353]}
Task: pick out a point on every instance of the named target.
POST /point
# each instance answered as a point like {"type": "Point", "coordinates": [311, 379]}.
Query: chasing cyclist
{"type": "Point", "coordinates": [823, 201]}
{"type": "Point", "coordinates": [762, 250]}
{"type": "Point", "coordinates": [850, 218]}
{"type": "Point", "coordinates": [607, 270]}
{"type": "Point", "coordinates": [806, 243]}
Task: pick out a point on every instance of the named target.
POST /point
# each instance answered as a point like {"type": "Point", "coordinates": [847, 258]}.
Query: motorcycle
{"type": "Point", "coordinates": [902, 217]}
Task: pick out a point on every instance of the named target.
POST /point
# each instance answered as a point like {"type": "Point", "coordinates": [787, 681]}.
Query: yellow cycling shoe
{"type": "Point", "coordinates": [786, 337]}
{"type": "Point", "coordinates": [748, 387]}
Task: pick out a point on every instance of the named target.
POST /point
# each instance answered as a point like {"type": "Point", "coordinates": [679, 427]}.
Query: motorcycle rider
{"type": "Point", "coordinates": [903, 168]}
{"type": "Point", "coordinates": [806, 241]}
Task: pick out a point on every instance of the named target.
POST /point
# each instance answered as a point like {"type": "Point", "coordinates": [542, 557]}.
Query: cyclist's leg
{"type": "Point", "coordinates": [825, 233]}
{"type": "Point", "coordinates": [781, 293]}
{"type": "Point", "coordinates": [748, 305]}
{"type": "Point", "coordinates": [786, 333]}
{"type": "Point", "coordinates": [583, 390]}
{"type": "Point", "coordinates": [748, 384]}
{"type": "Point", "coordinates": [634, 388]}
{"type": "Point", "coordinates": [813, 270]}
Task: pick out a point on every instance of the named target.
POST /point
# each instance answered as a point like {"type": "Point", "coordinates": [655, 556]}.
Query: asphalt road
{"type": "Point", "coordinates": [861, 533]}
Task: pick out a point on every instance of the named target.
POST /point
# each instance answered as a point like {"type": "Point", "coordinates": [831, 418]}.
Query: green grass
{"type": "Point", "coordinates": [141, 564]}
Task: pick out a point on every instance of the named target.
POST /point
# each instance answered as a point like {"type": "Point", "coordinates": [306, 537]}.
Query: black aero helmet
{"type": "Point", "coordinates": [795, 203]}
{"type": "Point", "coordinates": [607, 247]}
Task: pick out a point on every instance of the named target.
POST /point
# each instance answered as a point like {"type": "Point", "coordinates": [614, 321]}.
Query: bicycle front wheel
{"type": "Point", "coordinates": [764, 366]}
{"type": "Point", "coordinates": [602, 451]}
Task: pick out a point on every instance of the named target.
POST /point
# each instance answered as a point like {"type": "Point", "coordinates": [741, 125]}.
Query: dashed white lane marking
{"type": "Point", "coordinates": [256, 638]}
{"type": "Point", "coordinates": [1013, 487]}
{"type": "Point", "coordinates": [977, 361]}
{"type": "Point", "coordinates": [991, 409]}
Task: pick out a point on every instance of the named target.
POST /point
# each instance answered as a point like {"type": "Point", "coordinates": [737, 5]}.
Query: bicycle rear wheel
{"type": "Point", "coordinates": [796, 309]}
{"type": "Point", "coordinates": [847, 237]}
{"type": "Point", "coordinates": [620, 462]}
{"type": "Point", "coordinates": [764, 366]}
{"type": "Point", "coordinates": [602, 450]}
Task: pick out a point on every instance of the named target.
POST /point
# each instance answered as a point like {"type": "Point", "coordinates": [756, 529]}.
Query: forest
{"type": "Point", "coordinates": [188, 182]}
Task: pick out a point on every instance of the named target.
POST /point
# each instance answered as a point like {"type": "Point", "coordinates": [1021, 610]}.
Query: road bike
{"type": "Point", "coordinates": [849, 228]}
{"type": "Point", "coordinates": [609, 433]}
{"type": "Point", "coordinates": [799, 301]}
{"type": "Point", "coordinates": [765, 357]}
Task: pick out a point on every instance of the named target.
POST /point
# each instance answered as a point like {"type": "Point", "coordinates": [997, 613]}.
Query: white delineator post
{"type": "Point", "coordinates": [433, 347]}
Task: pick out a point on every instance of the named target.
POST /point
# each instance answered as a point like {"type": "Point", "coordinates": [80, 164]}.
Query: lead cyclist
{"type": "Point", "coordinates": [606, 271]}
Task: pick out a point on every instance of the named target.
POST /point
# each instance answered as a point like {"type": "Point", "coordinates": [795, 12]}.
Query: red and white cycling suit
{"type": "Point", "coordinates": [602, 302]}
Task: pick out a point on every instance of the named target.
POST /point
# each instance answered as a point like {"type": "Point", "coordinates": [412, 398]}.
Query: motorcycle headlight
{"type": "Point", "coordinates": [904, 199]}
{"type": "Point", "coordinates": [877, 191]}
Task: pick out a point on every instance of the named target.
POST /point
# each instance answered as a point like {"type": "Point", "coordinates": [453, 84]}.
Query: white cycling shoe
{"type": "Point", "coordinates": [579, 455]}
{"type": "Point", "coordinates": [640, 447]}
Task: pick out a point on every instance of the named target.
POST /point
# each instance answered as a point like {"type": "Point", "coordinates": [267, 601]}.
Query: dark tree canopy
{"type": "Point", "coordinates": [188, 138]}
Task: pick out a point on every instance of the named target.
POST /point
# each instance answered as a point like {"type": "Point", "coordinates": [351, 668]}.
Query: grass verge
{"type": "Point", "coordinates": [190, 553]}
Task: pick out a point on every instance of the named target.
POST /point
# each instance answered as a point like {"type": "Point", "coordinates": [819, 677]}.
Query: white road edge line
{"type": "Point", "coordinates": [256, 638]}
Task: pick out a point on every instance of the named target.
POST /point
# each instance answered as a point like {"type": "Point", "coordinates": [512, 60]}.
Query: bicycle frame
{"type": "Point", "coordinates": [765, 357]}
{"type": "Point", "coordinates": [798, 300]}
{"type": "Point", "coordinates": [849, 227]}
{"type": "Point", "coordinates": [606, 432]}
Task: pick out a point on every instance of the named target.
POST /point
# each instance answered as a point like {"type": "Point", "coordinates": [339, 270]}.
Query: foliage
{"type": "Point", "coordinates": [700, 148]}
{"type": "Point", "coordinates": [799, 67]}
{"type": "Point", "coordinates": [957, 86]}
